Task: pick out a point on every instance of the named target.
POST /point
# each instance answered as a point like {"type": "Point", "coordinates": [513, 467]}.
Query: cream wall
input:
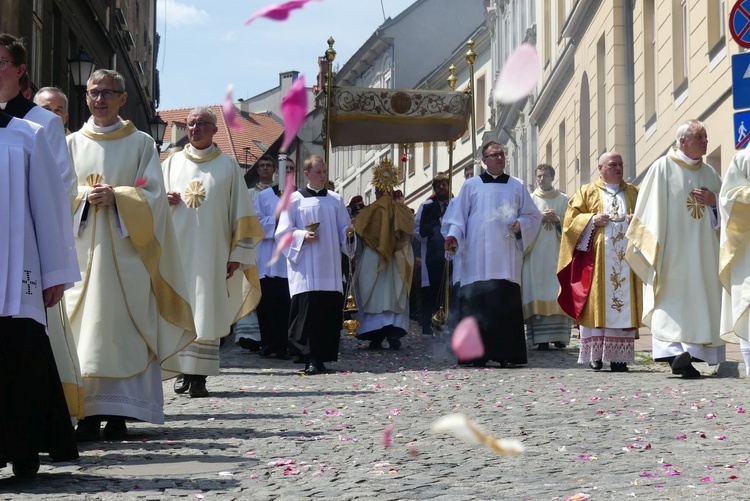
{"type": "Point", "coordinates": [587, 89]}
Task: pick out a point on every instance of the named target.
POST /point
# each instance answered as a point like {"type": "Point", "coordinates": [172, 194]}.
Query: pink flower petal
{"type": "Point", "coordinates": [674, 473]}
{"type": "Point", "coordinates": [278, 12]}
{"type": "Point", "coordinates": [681, 437]}
{"type": "Point", "coordinates": [289, 188]}
{"type": "Point", "coordinates": [740, 410]}
{"type": "Point", "coordinates": [229, 111]}
{"type": "Point", "coordinates": [141, 182]}
{"type": "Point", "coordinates": [293, 110]}
{"type": "Point", "coordinates": [466, 341]}
{"type": "Point", "coordinates": [647, 474]}
{"type": "Point", "coordinates": [387, 433]}
{"type": "Point", "coordinates": [284, 242]}
{"type": "Point", "coordinates": [733, 477]}
{"type": "Point", "coordinates": [707, 479]}
{"type": "Point", "coordinates": [519, 75]}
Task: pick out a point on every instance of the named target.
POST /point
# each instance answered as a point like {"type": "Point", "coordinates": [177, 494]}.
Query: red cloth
{"type": "Point", "coordinates": [575, 282]}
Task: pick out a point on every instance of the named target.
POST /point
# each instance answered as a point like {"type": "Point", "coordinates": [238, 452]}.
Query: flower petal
{"type": "Point", "coordinates": [278, 12]}
{"type": "Point", "coordinates": [293, 110]}
{"type": "Point", "coordinates": [519, 75]}
{"type": "Point", "coordinates": [289, 188]}
{"type": "Point", "coordinates": [284, 242]}
{"type": "Point", "coordinates": [229, 111]}
{"type": "Point", "coordinates": [387, 433]}
{"type": "Point", "coordinates": [467, 341]}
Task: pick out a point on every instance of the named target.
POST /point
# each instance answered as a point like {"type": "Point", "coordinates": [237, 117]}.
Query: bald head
{"type": "Point", "coordinates": [610, 167]}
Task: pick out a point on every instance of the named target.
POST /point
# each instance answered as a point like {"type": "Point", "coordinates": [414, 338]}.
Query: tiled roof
{"type": "Point", "coordinates": [255, 127]}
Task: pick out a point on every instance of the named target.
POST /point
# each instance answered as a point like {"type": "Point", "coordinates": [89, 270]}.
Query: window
{"type": "Point", "coordinates": [715, 21]}
{"type": "Point", "coordinates": [481, 102]}
{"type": "Point", "coordinates": [649, 61]}
{"type": "Point", "coordinates": [563, 164]}
{"type": "Point", "coordinates": [560, 16]}
{"type": "Point", "coordinates": [679, 46]}
{"type": "Point", "coordinates": [34, 66]}
{"type": "Point", "coordinates": [601, 96]}
{"type": "Point", "coordinates": [426, 154]}
{"type": "Point", "coordinates": [547, 34]}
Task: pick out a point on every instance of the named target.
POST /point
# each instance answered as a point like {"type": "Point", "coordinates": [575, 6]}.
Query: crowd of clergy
{"type": "Point", "coordinates": [164, 260]}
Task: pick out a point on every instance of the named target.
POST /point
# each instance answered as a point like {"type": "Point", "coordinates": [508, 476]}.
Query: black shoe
{"type": "Point", "coordinates": [596, 365]}
{"type": "Point", "coordinates": [198, 387]}
{"type": "Point", "coordinates": [265, 352]}
{"type": "Point", "coordinates": [542, 346]}
{"type": "Point", "coordinates": [181, 384]}
{"type": "Point", "coordinates": [560, 344]}
{"type": "Point", "coordinates": [680, 362]}
{"type": "Point", "coordinates": [480, 362]}
{"type": "Point", "coordinates": [690, 372]}
{"type": "Point", "coordinates": [88, 430]}
{"type": "Point", "coordinates": [394, 344]}
{"type": "Point", "coordinates": [249, 344]}
{"type": "Point", "coordinates": [26, 469]}
{"type": "Point", "coordinates": [311, 368]}
{"type": "Point", "coordinates": [115, 429]}
{"type": "Point", "coordinates": [375, 345]}
{"type": "Point", "coordinates": [618, 366]}
{"type": "Point", "coordinates": [283, 355]}
{"type": "Point", "coordinates": [321, 368]}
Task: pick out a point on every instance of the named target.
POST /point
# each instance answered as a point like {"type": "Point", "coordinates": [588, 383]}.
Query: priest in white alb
{"type": "Point", "coordinates": [494, 221]}
{"type": "Point", "coordinates": [131, 311]}
{"type": "Point", "coordinates": [673, 246]}
{"type": "Point", "coordinates": [545, 321]}
{"type": "Point", "coordinates": [218, 232]}
{"type": "Point", "coordinates": [384, 263]}
{"type": "Point", "coordinates": [734, 254]}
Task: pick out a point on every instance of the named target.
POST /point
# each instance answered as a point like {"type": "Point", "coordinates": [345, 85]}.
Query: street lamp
{"type": "Point", "coordinates": [157, 128]}
{"type": "Point", "coordinates": [81, 67]}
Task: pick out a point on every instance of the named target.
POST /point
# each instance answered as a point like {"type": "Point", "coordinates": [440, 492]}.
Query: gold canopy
{"type": "Point", "coordinates": [362, 115]}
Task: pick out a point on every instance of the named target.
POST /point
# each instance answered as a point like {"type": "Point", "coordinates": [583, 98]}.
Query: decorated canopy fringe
{"type": "Point", "coordinates": [380, 116]}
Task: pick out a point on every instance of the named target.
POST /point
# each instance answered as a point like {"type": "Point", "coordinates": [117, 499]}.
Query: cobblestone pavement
{"type": "Point", "coordinates": [268, 432]}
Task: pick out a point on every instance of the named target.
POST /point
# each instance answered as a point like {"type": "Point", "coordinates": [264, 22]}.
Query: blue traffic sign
{"type": "Point", "coordinates": [741, 129]}
{"type": "Point", "coordinates": [741, 80]}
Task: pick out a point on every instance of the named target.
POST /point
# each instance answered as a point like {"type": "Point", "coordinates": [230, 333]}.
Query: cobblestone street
{"type": "Point", "coordinates": [268, 432]}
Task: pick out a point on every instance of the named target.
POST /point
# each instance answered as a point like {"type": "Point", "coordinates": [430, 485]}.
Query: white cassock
{"type": "Point", "coordinates": [734, 254]}
{"type": "Point", "coordinates": [545, 320]}
{"type": "Point", "coordinates": [673, 246]}
{"type": "Point", "coordinates": [131, 311]}
{"type": "Point", "coordinates": [216, 224]}
{"type": "Point", "coordinates": [247, 327]}
{"type": "Point", "coordinates": [58, 325]}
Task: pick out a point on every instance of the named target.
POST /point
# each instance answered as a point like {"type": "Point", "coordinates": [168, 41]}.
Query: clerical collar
{"type": "Point", "coordinates": [309, 192]}
{"type": "Point", "coordinates": [17, 107]}
{"type": "Point", "coordinates": [614, 187]}
{"type": "Point", "coordinates": [262, 186]}
{"type": "Point", "coordinates": [107, 129]}
{"type": "Point", "coordinates": [193, 151]}
{"type": "Point", "coordinates": [489, 178]}
{"type": "Point", "coordinates": [686, 158]}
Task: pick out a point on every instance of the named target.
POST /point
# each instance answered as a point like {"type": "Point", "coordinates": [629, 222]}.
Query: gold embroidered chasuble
{"type": "Point", "coordinates": [582, 206]}
{"type": "Point", "coordinates": [734, 251]}
{"type": "Point", "coordinates": [538, 276]}
{"type": "Point", "coordinates": [131, 307]}
{"type": "Point", "coordinates": [674, 248]}
{"type": "Point", "coordinates": [216, 224]}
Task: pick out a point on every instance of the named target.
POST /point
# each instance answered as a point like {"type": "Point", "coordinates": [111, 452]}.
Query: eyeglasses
{"type": "Point", "coordinates": [199, 124]}
{"type": "Point", "coordinates": [4, 63]}
{"type": "Point", "coordinates": [499, 154]}
{"type": "Point", "coordinates": [105, 94]}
